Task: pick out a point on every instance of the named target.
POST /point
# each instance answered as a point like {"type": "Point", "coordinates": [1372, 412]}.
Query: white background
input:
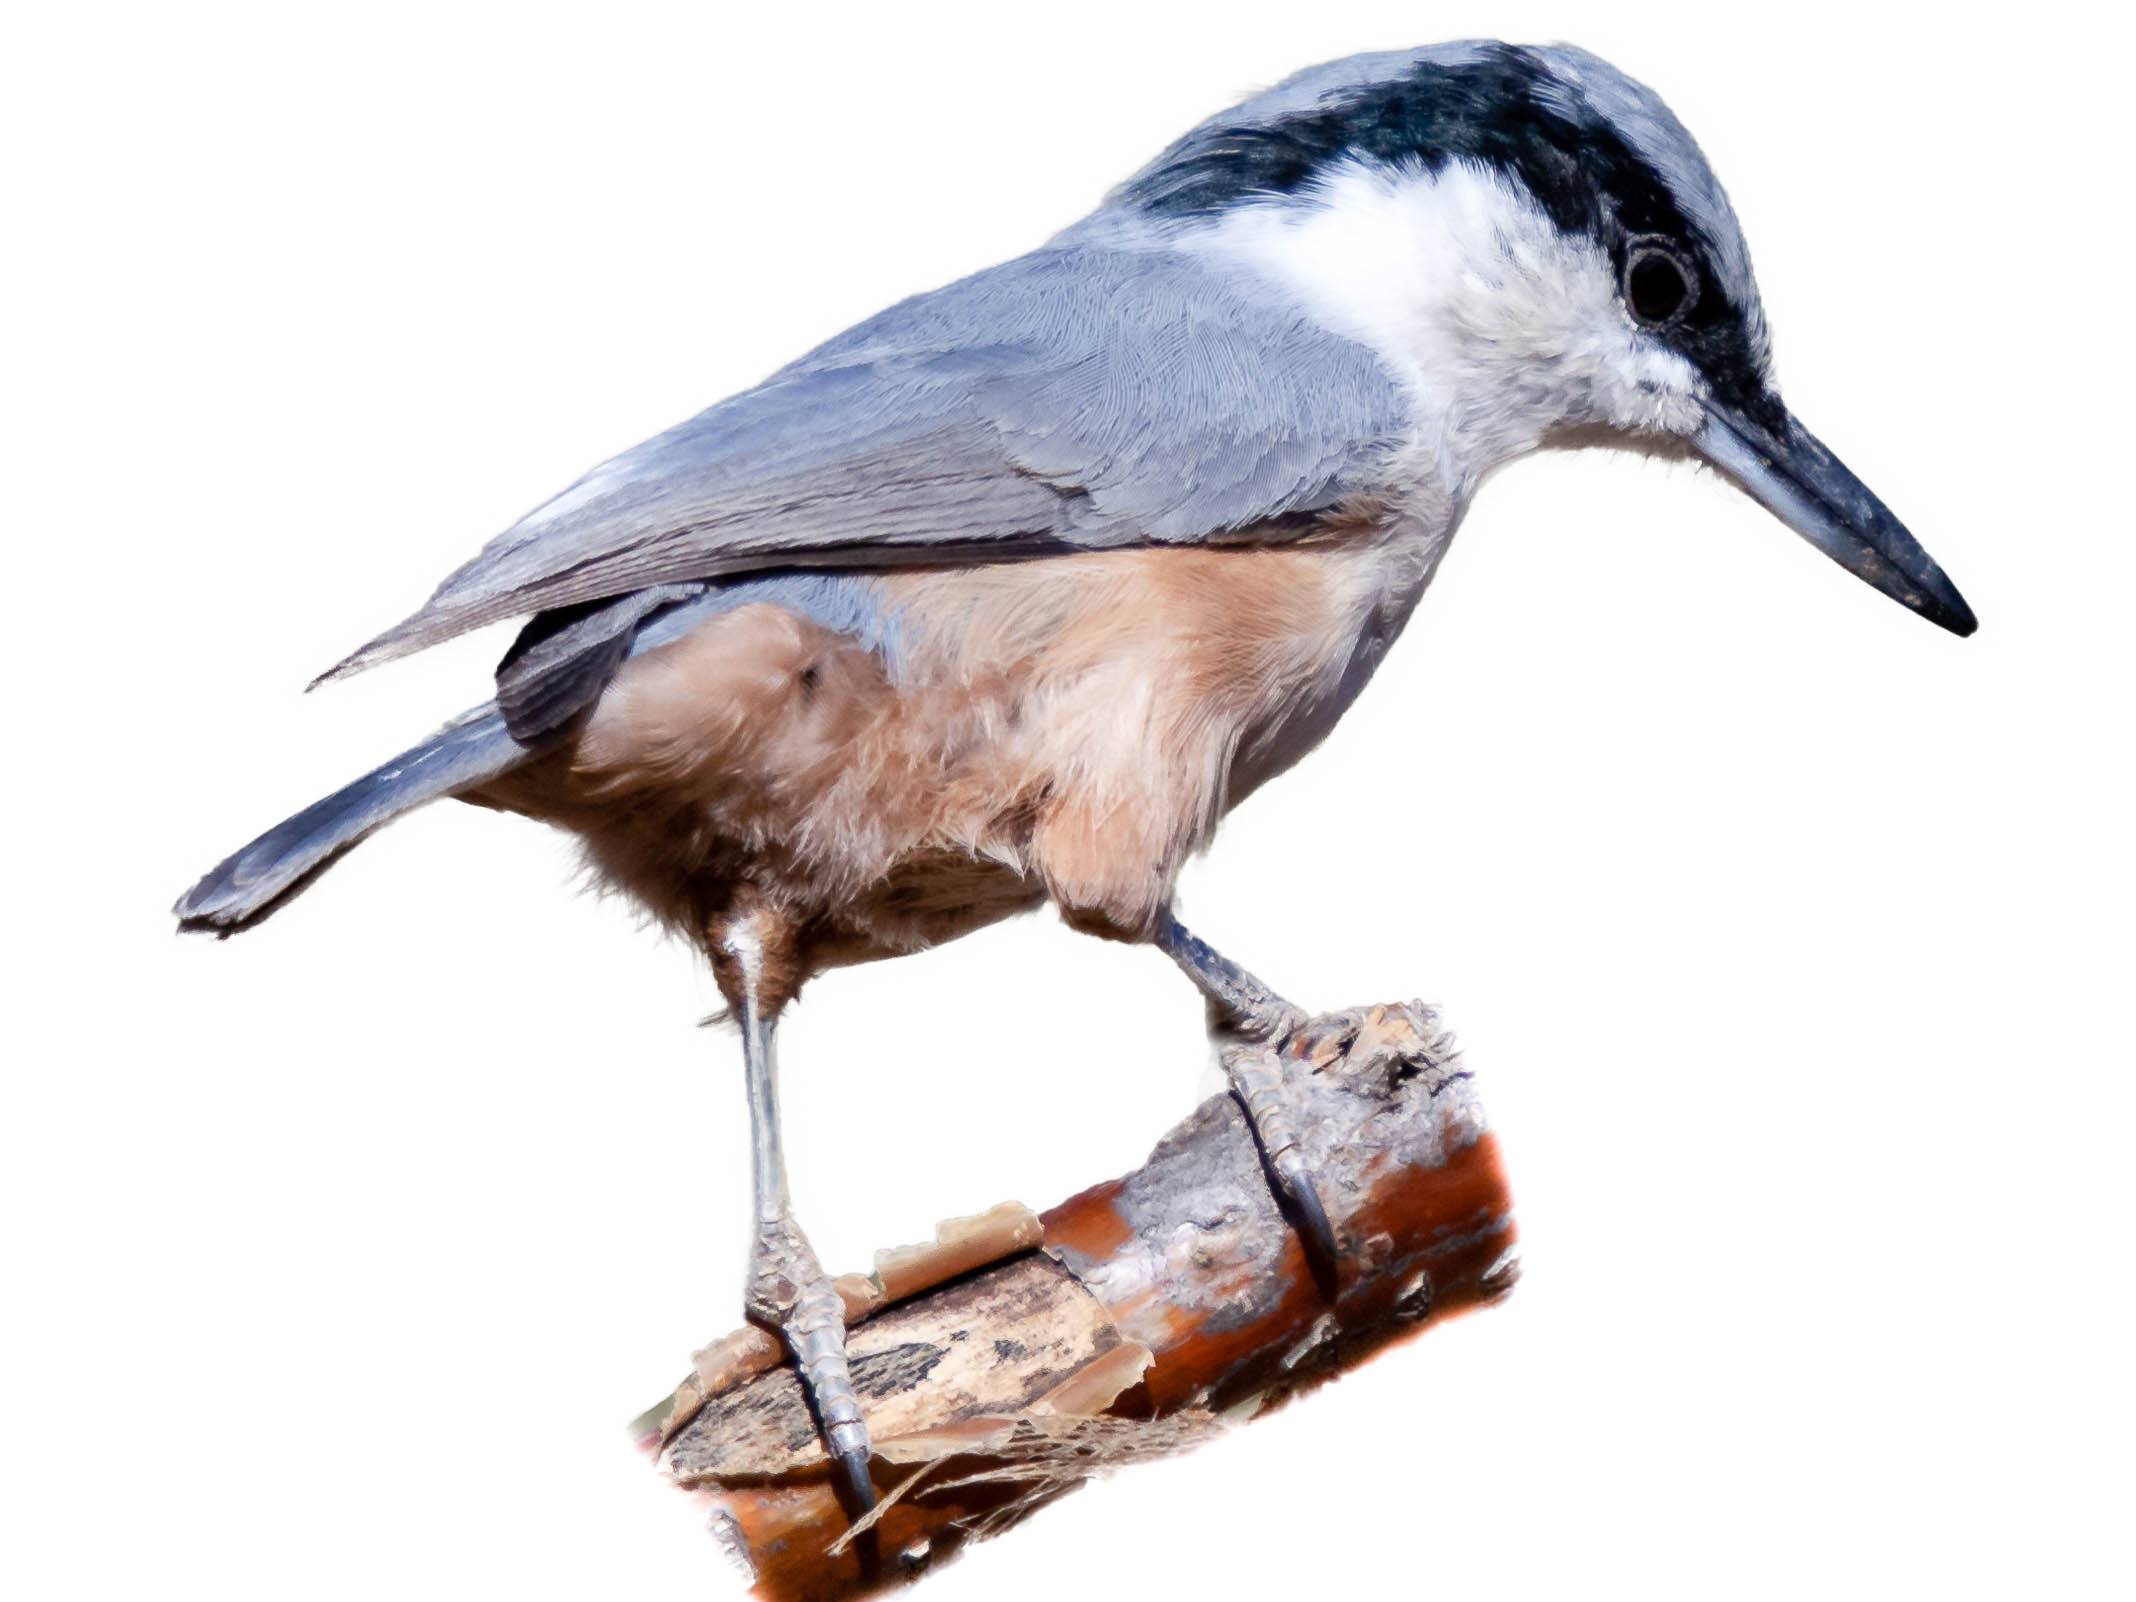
{"type": "Point", "coordinates": [1789, 936]}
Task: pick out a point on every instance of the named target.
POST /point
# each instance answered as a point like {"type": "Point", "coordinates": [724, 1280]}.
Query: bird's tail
{"type": "Point", "coordinates": [240, 891]}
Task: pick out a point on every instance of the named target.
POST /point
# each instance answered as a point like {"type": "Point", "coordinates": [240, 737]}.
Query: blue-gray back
{"type": "Point", "coordinates": [1075, 397]}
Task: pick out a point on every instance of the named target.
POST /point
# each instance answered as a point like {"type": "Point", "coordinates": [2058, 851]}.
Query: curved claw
{"type": "Point", "coordinates": [1315, 1233]}
{"type": "Point", "coordinates": [858, 1485]}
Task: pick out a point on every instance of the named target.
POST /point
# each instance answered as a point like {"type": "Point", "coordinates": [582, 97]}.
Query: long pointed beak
{"type": "Point", "coordinates": [1792, 475]}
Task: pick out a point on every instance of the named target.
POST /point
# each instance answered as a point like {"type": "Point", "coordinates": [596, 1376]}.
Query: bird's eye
{"type": "Point", "coordinates": [1659, 285]}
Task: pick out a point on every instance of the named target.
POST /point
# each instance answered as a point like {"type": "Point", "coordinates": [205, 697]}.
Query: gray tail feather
{"type": "Point", "coordinates": [240, 891]}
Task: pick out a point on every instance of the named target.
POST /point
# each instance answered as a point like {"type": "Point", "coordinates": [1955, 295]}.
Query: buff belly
{"type": "Point", "coordinates": [1068, 729]}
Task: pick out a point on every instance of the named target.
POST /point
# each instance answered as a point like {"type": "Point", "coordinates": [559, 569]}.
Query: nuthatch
{"type": "Point", "coordinates": [1008, 594]}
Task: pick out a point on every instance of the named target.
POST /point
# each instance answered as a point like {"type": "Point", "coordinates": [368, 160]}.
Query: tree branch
{"type": "Point", "coordinates": [1017, 1355]}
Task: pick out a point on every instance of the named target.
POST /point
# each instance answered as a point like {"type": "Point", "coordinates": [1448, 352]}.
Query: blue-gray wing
{"type": "Point", "coordinates": [1072, 398]}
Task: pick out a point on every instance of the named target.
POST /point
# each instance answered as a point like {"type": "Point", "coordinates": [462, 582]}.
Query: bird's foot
{"type": "Point", "coordinates": [1261, 1023]}
{"type": "Point", "coordinates": [789, 1292]}
{"type": "Point", "coordinates": [1258, 1079]}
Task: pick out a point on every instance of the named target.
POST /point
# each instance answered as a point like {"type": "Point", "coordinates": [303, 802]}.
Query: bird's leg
{"type": "Point", "coordinates": [1241, 1005]}
{"type": "Point", "coordinates": [788, 1290]}
{"type": "Point", "coordinates": [1238, 1002]}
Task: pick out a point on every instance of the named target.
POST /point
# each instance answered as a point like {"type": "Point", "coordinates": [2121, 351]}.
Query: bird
{"type": "Point", "coordinates": [1008, 594]}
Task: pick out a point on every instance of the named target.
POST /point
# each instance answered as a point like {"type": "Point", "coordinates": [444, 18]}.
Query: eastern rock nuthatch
{"type": "Point", "coordinates": [1009, 593]}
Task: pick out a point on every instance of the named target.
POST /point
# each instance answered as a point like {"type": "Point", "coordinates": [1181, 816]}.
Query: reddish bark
{"type": "Point", "coordinates": [1154, 1302]}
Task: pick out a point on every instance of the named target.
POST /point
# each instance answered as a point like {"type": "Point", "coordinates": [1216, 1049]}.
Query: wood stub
{"type": "Point", "coordinates": [1015, 1356]}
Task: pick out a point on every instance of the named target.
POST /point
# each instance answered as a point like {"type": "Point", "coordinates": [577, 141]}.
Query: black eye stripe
{"type": "Point", "coordinates": [1502, 107]}
{"type": "Point", "coordinates": [1660, 286]}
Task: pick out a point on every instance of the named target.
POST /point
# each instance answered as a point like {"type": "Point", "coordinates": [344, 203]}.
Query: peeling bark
{"type": "Point", "coordinates": [1017, 1355]}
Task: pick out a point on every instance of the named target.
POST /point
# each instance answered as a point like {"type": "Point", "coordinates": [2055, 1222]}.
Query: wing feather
{"type": "Point", "coordinates": [1073, 398]}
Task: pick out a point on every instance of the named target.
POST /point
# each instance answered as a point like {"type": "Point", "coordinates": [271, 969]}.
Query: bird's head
{"type": "Point", "coordinates": [1537, 247]}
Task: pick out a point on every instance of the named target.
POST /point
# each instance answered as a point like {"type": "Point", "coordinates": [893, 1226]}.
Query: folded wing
{"type": "Point", "coordinates": [1072, 398]}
